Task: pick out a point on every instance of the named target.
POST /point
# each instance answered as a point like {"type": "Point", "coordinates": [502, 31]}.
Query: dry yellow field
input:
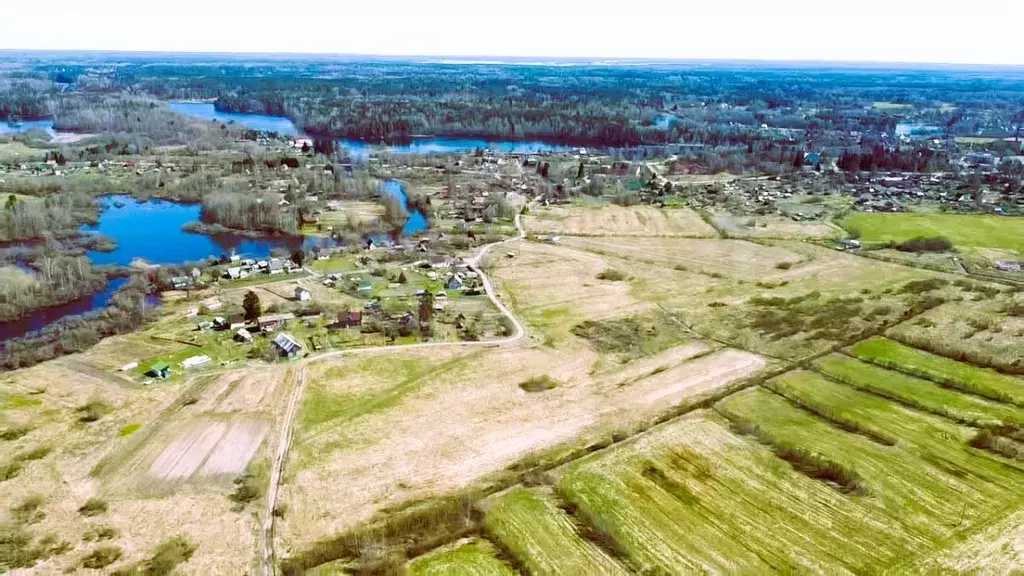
{"type": "Point", "coordinates": [773, 227]}
{"type": "Point", "coordinates": [614, 220]}
{"type": "Point", "coordinates": [395, 439]}
{"type": "Point", "coordinates": [163, 465]}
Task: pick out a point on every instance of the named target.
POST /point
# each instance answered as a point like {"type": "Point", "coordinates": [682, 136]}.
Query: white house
{"type": "Point", "coordinates": [302, 295]}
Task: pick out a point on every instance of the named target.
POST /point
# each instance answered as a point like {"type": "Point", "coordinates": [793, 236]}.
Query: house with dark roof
{"type": "Point", "coordinates": [288, 346]}
{"type": "Point", "coordinates": [161, 370]}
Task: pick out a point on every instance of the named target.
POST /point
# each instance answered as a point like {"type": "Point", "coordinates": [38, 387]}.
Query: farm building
{"type": "Point", "coordinates": [453, 283]}
{"type": "Point", "coordinates": [243, 335]}
{"type": "Point", "coordinates": [302, 295]}
{"type": "Point", "coordinates": [161, 370]}
{"type": "Point", "coordinates": [288, 346]}
{"type": "Point", "coordinates": [194, 361]}
{"type": "Point", "coordinates": [271, 322]}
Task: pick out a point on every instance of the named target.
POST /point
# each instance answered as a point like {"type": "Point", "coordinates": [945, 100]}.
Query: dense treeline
{"type": "Point", "coordinates": [55, 279]}
{"type": "Point", "coordinates": [25, 99]}
{"type": "Point", "coordinates": [594, 105]}
{"type": "Point", "coordinates": [243, 212]}
{"type": "Point", "coordinates": [880, 158]}
{"type": "Point", "coordinates": [54, 215]}
{"type": "Point", "coordinates": [129, 308]}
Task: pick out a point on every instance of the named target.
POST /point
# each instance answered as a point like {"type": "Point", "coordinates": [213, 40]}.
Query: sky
{"type": "Point", "coordinates": [941, 31]}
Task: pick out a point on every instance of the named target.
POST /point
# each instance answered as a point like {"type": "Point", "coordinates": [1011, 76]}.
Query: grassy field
{"type": "Point", "coordinates": [946, 372]}
{"type": "Point", "coordinates": [472, 558]}
{"type": "Point", "coordinates": [611, 220]}
{"type": "Point", "coordinates": [917, 393]}
{"type": "Point", "coordinates": [543, 538]}
{"type": "Point", "coordinates": [980, 332]}
{"type": "Point", "coordinates": [966, 230]}
{"type": "Point", "coordinates": [695, 497]}
{"type": "Point", "coordinates": [931, 483]}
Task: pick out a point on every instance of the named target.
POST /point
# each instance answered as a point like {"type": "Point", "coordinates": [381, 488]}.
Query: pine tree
{"type": "Point", "coordinates": [252, 306]}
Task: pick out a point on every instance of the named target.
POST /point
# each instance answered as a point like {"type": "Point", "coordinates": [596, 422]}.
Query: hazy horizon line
{"type": "Point", "coordinates": [485, 59]}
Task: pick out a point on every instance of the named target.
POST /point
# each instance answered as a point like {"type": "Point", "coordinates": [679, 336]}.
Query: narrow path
{"type": "Point", "coordinates": [267, 531]}
{"type": "Point", "coordinates": [275, 473]}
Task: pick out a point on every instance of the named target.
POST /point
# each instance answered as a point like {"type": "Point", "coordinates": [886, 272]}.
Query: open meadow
{"type": "Point", "coordinates": [652, 420]}
{"type": "Point", "coordinates": [962, 230]}
{"type": "Point", "coordinates": [612, 220]}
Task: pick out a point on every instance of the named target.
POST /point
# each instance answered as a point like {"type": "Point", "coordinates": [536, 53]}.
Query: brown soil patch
{"type": "Point", "coordinates": [617, 221]}
{"type": "Point", "coordinates": [209, 447]}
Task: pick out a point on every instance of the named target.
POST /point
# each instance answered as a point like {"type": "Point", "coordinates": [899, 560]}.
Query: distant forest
{"type": "Point", "coordinates": [759, 107]}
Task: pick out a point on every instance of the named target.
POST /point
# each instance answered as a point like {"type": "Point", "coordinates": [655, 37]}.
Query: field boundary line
{"type": "Point", "coordinates": [275, 474]}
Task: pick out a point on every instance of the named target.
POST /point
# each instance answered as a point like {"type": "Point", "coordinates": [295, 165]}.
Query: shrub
{"type": "Point", "coordinates": [17, 550]}
{"type": "Point", "coordinates": [37, 453]}
{"type": "Point", "coordinates": [101, 557]}
{"type": "Point", "coordinates": [784, 265]}
{"type": "Point", "coordinates": [93, 507]}
{"type": "Point", "coordinates": [14, 433]}
{"type": "Point", "coordinates": [538, 384]}
{"type": "Point", "coordinates": [247, 489]}
{"type": "Point", "coordinates": [921, 286]}
{"type": "Point", "coordinates": [612, 275]}
{"type": "Point", "coordinates": [28, 511]}
{"type": "Point", "coordinates": [923, 244]}
{"type": "Point", "coordinates": [10, 470]}
{"type": "Point", "coordinates": [100, 533]}
{"type": "Point", "coordinates": [168, 556]}
{"type": "Point", "coordinates": [93, 411]}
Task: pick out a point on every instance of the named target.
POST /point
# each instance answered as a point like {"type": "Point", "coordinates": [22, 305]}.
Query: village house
{"type": "Point", "coordinates": [272, 322]}
{"type": "Point", "coordinates": [453, 283]}
{"type": "Point", "coordinates": [302, 295]}
{"type": "Point", "coordinates": [243, 335]}
{"type": "Point", "coordinates": [348, 319]}
{"type": "Point", "coordinates": [276, 266]}
{"type": "Point", "coordinates": [182, 282]}
{"type": "Point", "coordinates": [161, 370]}
{"type": "Point", "coordinates": [288, 346]}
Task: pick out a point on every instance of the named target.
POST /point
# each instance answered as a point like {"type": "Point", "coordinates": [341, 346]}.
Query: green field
{"type": "Point", "coordinates": [695, 497]}
{"type": "Point", "coordinates": [473, 558]}
{"type": "Point", "coordinates": [918, 393]}
{"type": "Point", "coordinates": [931, 483]}
{"type": "Point", "coordinates": [963, 230]}
{"type": "Point", "coordinates": [980, 381]}
{"type": "Point", "coordinates": [543, 537]}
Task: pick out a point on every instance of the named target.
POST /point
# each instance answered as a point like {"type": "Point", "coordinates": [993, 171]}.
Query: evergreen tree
{"type": "Point", "coordinates": [252, 306]}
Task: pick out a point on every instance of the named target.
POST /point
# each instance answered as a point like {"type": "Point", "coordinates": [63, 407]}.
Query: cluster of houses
{"type": "Point", "coordinates": [240, 268]}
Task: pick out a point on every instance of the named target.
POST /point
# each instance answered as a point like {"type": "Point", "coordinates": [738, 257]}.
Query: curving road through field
{"type": "Point", "coordinates": [287, 425]}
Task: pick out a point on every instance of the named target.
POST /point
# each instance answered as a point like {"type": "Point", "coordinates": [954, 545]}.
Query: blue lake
{"type": "Point", "coordinates": [282, 126]}
{"type": "Point", "coordinates": [151, 231]}
{"type": "Point", "coordinates": [429, 145]}
{"type": "Point", "coordinates": [14, 128]}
